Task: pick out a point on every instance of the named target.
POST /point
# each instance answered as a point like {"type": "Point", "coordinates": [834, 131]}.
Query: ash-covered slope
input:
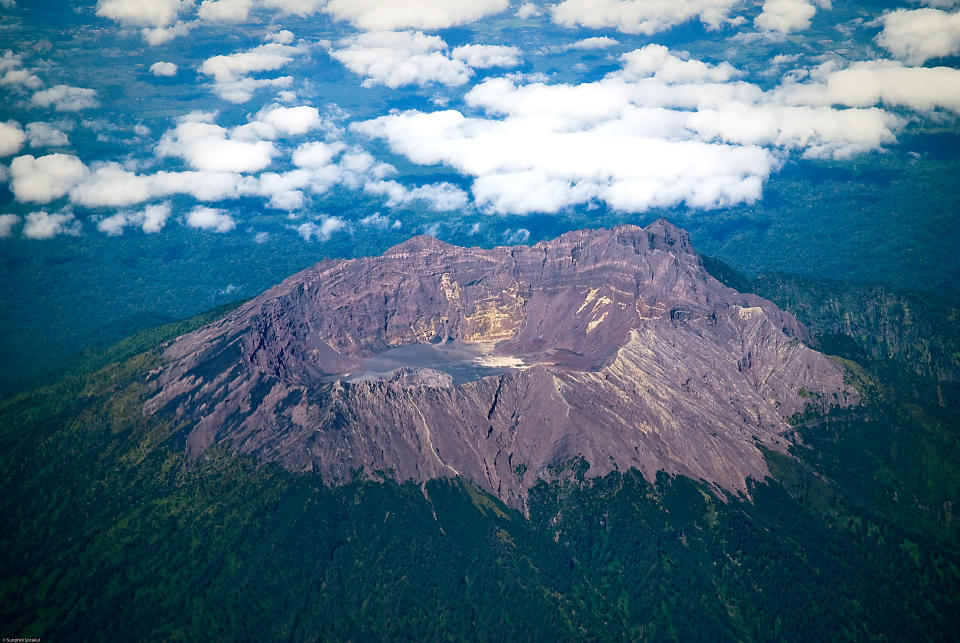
{"type": "Point", "coordinates": [497, 365]}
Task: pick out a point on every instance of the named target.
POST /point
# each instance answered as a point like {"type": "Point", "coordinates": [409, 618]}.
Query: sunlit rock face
{"type": "Point", "coordinates": [499, 365]}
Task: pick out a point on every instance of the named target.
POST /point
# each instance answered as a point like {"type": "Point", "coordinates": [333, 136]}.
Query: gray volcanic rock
{"type": "Point", "coordinates": [498, 365]}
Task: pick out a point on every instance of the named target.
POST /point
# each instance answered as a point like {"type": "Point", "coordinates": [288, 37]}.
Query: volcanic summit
{"type": "Point", "coordinates": [500, 365]}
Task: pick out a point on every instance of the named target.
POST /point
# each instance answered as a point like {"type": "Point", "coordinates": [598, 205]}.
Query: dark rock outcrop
{"type": "Point", "coordinates": [611, 344]}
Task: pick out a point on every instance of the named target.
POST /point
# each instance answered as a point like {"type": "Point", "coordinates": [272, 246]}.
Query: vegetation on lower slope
{"type": "Point", "coordinates": [108, 534]}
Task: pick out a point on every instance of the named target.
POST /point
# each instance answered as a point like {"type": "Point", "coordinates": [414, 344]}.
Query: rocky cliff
{"type": "Point", "coordinates": [501, 365]}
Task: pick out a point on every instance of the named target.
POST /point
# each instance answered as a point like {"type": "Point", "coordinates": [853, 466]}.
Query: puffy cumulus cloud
{"type": "Point", "coordinates": [43, 225]}
{"type": "Point", "coordinates": [920, 34]}
{"type": "Point", "coordinates": [267, 57]}
{"type": "Point", "coordinates": [7, 223]}
{"type": "Point", "coordinates": [12, 74]}
{"type": "Point", "coordinates": [596, 42]}
{"type": "Point", "coordinates": [224, 11]}
{"type": "Point", "coordinates": [523, 165]}
{"type": "Point", "coordinates": [283, 37]}
{"type": "Point", "coordinates": [112, 185]}
{"type": "Point", "coordinates": [512, 237]}
{"type": "Point", "coordinates": [231, 72]}
{"type": "Point", "coordinates": [662, 131]}
{"type": "Point", "coordinates": [877, 82]}
{"type": "Point", "coordinates": [316, 154]}
{"type": "Point", "coordinates": [640, 16]}
{"type": "Point", "coordinates": [46, 135]}
{"type": "Point", "coordinates": [785, 16]}
{"type": "Point", "coordinates": [658, 62]}
{"type": "Point", "coordinates": [274, 121]}
{"type": "Point", "coordinates": [20, 78]}
{"type": "Point", "coordinates": [160, 35]}
{"type": "Point", "coordinates": [137, 13]}
{"type": "Point", "coordinates": [65, 98]}
{"type": "Point", "coordinates": [379, 222]}
{"type": "Point", "coordinates": [300, 8]}
{"type": "Point", "coordinates": [210, 219]}
{"type": "Point", "coordinates": [485, 56]}
{"type": "Point", "coordinates": [320, 166]}
{"type": "Point", "coordinates": [322, 231]}
{"type": "Point", "coordinates": [442, 197]}
{"type": "Point", "coordinates": [12, 137]}
{"type": "Point", "coordinates": [376, 15]}
{"type": "Point", "coordinates": [397, 58]}
{"type": "Point", "coordinates": [208, 147]}
{"type": "Point", "coordinates": [163, 69]}
{"type": "Point", "coordinates": [151, 220]}
{"type": "Point", "coordinates": [527, 10]}
{"type": "Point", "coordinates": [41, 180]}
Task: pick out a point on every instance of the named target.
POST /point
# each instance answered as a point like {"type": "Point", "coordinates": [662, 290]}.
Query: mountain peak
{"type": "Point", "coordinates": [418, 243]}
{"type": "Point", "coordinates": [614, 345]}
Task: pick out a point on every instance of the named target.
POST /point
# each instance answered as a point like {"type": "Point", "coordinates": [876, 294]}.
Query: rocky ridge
{"type": "Point", "coordinates": [611, 344]}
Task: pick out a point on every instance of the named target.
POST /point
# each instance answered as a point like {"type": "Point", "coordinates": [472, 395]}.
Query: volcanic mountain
{"type": "Point", "coordinates": [501, 365]}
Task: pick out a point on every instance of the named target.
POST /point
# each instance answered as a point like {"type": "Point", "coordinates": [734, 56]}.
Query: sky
{"type": "Point", "coordinates": [158, 158]}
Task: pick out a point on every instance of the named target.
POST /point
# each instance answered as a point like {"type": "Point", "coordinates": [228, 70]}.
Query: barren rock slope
{"type": "Point", "coordinates": [497, 365]}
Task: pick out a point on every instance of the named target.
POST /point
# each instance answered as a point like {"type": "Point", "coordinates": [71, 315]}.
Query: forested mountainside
{"type": "Point", "coordinates": [110, 534]}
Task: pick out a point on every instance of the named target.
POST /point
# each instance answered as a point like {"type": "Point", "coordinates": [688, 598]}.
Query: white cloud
{"type": "Point", "coordinates": [224, 11]}
{"type": "Point", "coordinates": [524, 165]}
{"type": "Point", "coordinates": [597, 42]}
{"type": "Point", "coordinates": [283, 37]}
{"type": "Point", "coordinates": [441, 197]}
{"type": "Point", "coordinates": [662, 131]}
{"type": "Point", "coordinates": [527, 10]}
{"type": "Point", "coordinates": [316, 154]}
{"type": "Point", "coordinates": [207, 147]}
{"type": "Point", "coordinates": [110, 185]}
{"type": "Point", "coordinates": [658, 62]}
{"type": "Point", "coordinates": [274, 121]}
{"type": "Point", "coordinates": [137, 13]}
{"type": "Point", "coordinates": [485, 56]}
{"type": "Point", "coordinates": [241, 90]}
{"type": "Point", "coordinates": [285, 190]}
{"type": "Point", "coordinates": [785, 16]}
{"type": "Point", "coordinates": [160, 35]}
{"type": "Point", "coordinates": [377, 221]}
{"type": "Point", "coordinates": [14, 76]}
{"type": "Point", "coordinates": [41, 180]}
{"type": "Point", "coordinates": [230, 72]}
{"type": "Point", "coordinates": [151, 220]}
{"type": "Point", "coordinates": [317, 172]}
{"type": "Point", "coordinates": [10, 60]}
{"type": "Point", "coordinates": [155, 217]}
{"type": "Point", "coordinates": [376, 15]}
{"type": "Point", "coordinates": [163, 69]}
{"type": "Point", "coordinates": [210, 219]}
{"type": "Point", "coordinates": [867, 83]}
{"type": "Point", "coordinates": [46, 135]}
{"type": "Point", "coordinates": [11, 138]}
{"type": "Point", "coordinates": [42, 225]}
{"type": "Point", "coordinates": [268, 57]}
{"type": "Point", "coordinates": [513, 237]}
{"type": "Point", "coordinates": [396, 58]}
{"type": "Point", "coordinates": [7, 224]}
{"type": "Point", "coordinates": [64, 98]}
{"type": "Point", "coordinates": [327, 227]}
{"type": "Point", "coordinates": [641, 16]}
{"type": "Point", "coordinates": [920, 34]}
{"type": "Point", "coordinates": [300, 8]}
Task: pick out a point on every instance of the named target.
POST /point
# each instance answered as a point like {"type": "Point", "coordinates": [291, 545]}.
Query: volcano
{"type": "Point", "coordinates": [502, 366]}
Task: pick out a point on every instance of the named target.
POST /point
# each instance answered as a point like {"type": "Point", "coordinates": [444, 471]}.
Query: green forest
{"type": "Point", "coordinates": [108, 534]}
